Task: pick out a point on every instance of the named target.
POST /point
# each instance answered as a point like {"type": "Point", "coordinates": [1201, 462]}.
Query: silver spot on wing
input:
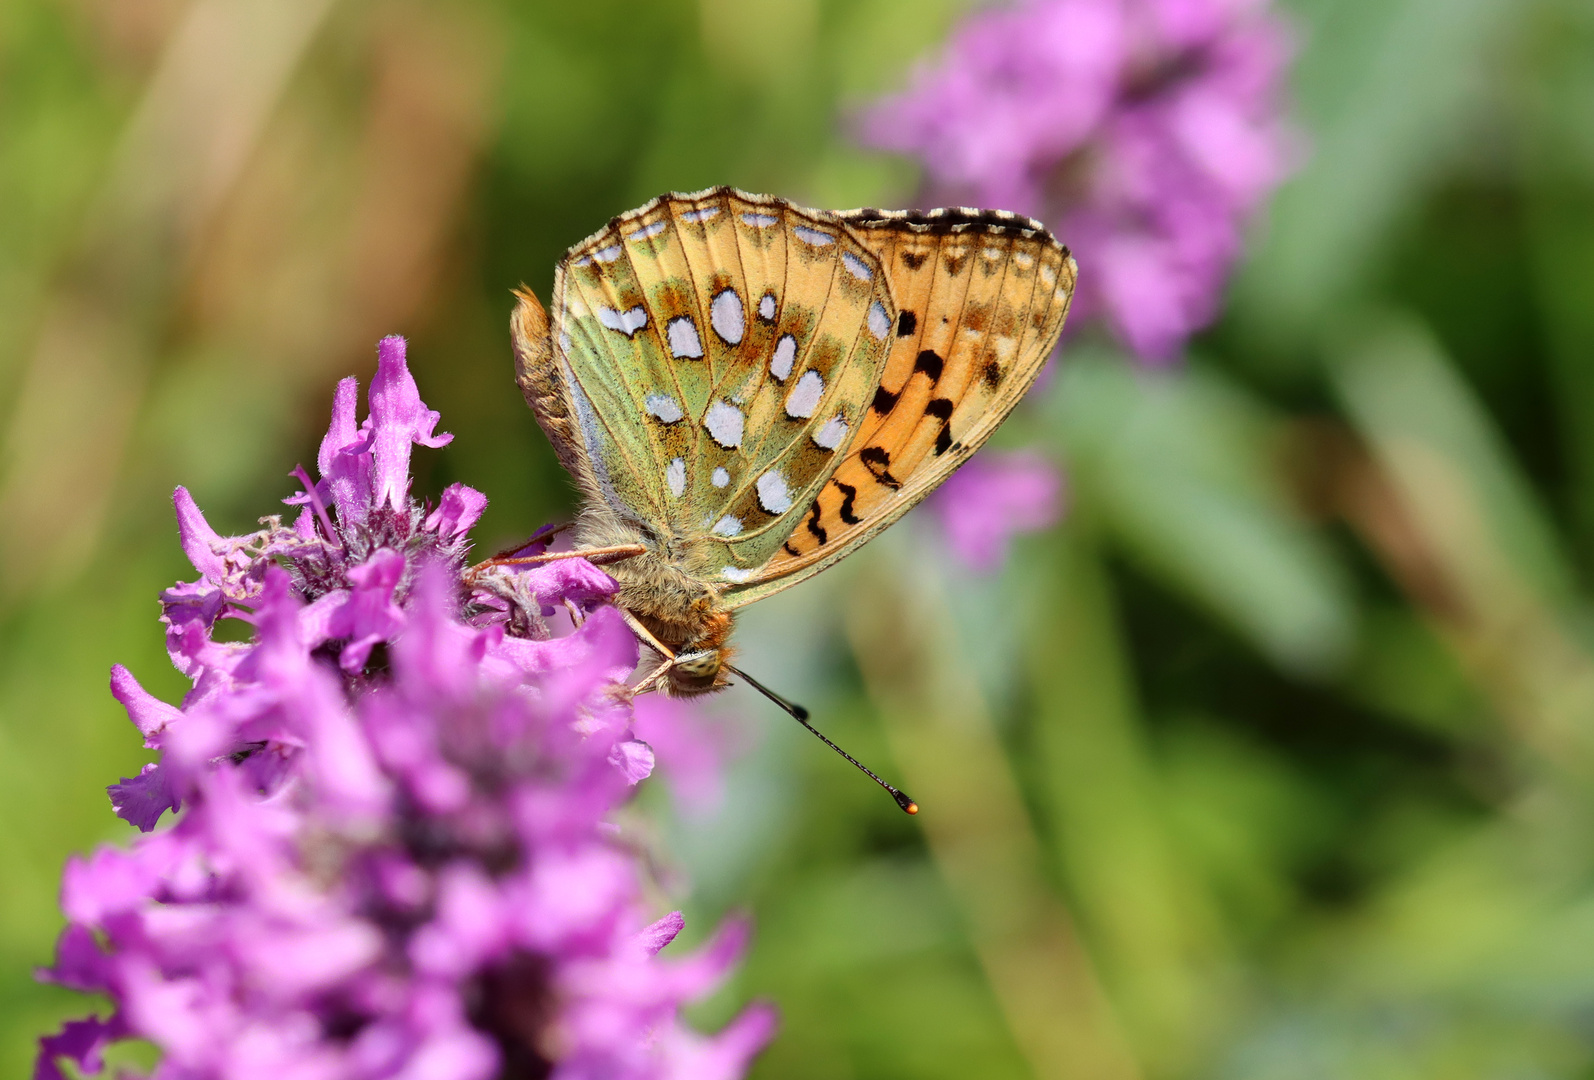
{"type": "Point", "coordinates": [772, 493]}
{"type": "Point", "coordinates": [724, 422]}
{"type": "Point", "coordinates": [804, 398]}
{"type": "Point", "coordinates": [726, 316]}
{"type": "Point", "coordinates": [663, 407]}
{"type": "Point", "coordinates": [785, 353]}
{"type": "Point", "coordinates": [682, 334]}
{"type": "Point", "coordinates": [833, 434]}
{"type": "Point", "coordinates": [626, 322]}
{"type": "Point", "coordinates": [879, 321]}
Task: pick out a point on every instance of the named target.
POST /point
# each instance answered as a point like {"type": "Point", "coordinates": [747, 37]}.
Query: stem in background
{"type": "Point", "coordinates": [1153, 927]}
{"type": "Point", "coordinates": [979, 833]}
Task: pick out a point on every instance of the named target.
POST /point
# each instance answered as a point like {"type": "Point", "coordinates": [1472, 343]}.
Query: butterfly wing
{"type": "Point", "coordinates": [981, 298]}
{"type": "Point", "coordinates": [715, 354]}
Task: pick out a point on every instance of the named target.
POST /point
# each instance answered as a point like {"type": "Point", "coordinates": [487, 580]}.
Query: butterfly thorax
{"type": "Point", "coordinates": [674, 605]}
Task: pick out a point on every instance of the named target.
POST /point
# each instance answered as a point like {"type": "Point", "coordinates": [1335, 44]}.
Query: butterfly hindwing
{"type": "Point", "coordinates": [719, 352]}
{"type": "Point", "coordinates": [980, 297]}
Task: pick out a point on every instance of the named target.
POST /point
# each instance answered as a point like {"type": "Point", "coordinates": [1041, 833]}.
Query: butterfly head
{"type": "Point", "coordinates": [701, 672]}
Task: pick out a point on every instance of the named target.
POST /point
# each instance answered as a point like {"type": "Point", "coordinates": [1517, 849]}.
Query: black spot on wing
{"type": "Point", "coordinates": [814, 527]}
{"type": "Point", "coordinates": [930, 363]}
{"type": "Point", "coordinates": [878, 461]}
{"type": "Point", "coordinates": [884, 400]}
{"type": "Point", "coordinates": [907, 323]}
{"type": "Point", "coordinates": [849, 493]}
{"type": "Point", "coordinates": [941, 409]}
{"type": "Point", "coordinates": [793, 552]}
{"type": "Point", "coordinates": [992, 374]}
{"type": "Point", "coordinates": [914, 259]}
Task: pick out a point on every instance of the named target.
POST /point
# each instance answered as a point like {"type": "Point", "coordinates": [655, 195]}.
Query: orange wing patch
{"type": "Point", "coordinates": [981, 297]}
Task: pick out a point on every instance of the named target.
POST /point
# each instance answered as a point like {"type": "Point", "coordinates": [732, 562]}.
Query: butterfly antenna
{"type": "Point", "coordinates": [800, 714]}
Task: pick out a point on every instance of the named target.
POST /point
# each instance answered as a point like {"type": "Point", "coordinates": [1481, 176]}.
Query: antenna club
{"type": "Point", "coordinates": [799, 712]}
{"type": "Point", "coordinates": [907, 804]}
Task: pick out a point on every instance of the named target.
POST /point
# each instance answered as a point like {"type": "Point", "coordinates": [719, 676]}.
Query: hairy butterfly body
{"type": "Point", "coordinates": [747, 390]}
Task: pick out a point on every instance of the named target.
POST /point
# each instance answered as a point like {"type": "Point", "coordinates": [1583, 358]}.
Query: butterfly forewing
{"type": "Point", "coordinates": [981, 298]}
{"type": "Point", "coordinates": [721, 350]}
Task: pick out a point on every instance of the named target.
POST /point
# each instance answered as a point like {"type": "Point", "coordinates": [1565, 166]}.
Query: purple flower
{"type": "Point", "coordinates": [692, 746]}
{"type": "Point", "coordinates": [991, 499]}
{"type": "Point", "coordinates": [1146, 131]}
{"type": "Point", "coordinates": [394, 857]}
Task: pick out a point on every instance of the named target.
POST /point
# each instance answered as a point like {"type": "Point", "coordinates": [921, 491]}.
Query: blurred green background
{"type": "Point", "coordinates": [1274, 760]}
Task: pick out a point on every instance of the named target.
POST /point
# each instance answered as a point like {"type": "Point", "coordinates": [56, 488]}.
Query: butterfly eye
{"type": "Point", "coordinates": [698, 665]}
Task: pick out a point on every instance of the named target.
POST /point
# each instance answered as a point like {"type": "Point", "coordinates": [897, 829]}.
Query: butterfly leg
{"type": "Point", "coordinates": [646, 635]}
{"type": "Point", "coordinates": [647, 638]}
{"type": "Point", "coordinates": [654, 678]}
{"type": "Point", "coordinates": [541, 536]}
{"type": "Point", "coordinates": [598, 556]}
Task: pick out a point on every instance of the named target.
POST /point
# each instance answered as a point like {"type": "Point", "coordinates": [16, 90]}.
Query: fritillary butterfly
{"type": "Point", "coordinates": [746, 390]}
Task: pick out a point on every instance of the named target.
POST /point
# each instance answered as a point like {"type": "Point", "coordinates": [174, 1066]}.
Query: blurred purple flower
{"type": "Point", "coordinates": [991, 499]}
{"type": "Point", "coordinates": [1146, 131]}
{"type": "Point", "coordinates": [395, 859]}
{"type": "Point", "coordinates": [692, 746]}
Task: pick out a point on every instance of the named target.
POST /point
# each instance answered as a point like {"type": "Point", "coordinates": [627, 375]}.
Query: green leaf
{"type": "Point", "coordinates": [1180, 470]}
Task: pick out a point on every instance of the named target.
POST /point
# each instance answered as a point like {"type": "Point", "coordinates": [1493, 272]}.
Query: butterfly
{"type": "Point", "coordinates": [745, 390]}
